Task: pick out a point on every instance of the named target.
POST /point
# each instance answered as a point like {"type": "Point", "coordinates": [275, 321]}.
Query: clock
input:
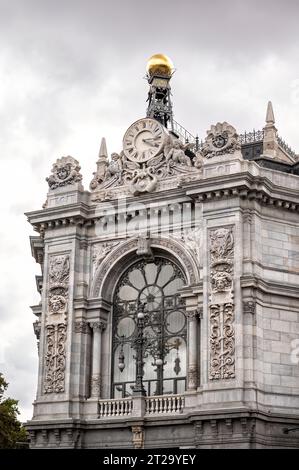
{"type": "Point", "coordinates": [144, 140]}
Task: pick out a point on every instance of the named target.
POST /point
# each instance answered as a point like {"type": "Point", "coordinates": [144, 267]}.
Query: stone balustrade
{"type": "Point", "coordinates": [164, 404]}
{"type": "Point", "coordinates": [112, 408]}
{"type": "Point", "coordinates": [170, 404]}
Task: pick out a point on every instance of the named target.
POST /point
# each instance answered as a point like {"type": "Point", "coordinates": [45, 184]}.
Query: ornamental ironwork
{"type": "Point", "coordinates": [149, 330]}
{"type": "Point", "coordinates": [286, 148]}
{"type": "Point", "coordinates": [250, 137]}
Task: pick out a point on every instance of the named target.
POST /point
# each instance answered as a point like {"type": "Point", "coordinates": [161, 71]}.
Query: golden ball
{"type": "Point", "coordinates": [159, 64]}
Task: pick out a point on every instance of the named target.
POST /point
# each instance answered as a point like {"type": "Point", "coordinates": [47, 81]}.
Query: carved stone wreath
{"type": "Point", "coordinates": [65, 171]}
{"type": "Point", "coordinates": [221, 139]}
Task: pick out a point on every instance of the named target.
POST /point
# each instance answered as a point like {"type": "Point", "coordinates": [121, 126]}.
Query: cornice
{"type": "Point", "coordinates": [269, 287]}
{"type": "Point", "coordinates": [244, 185]}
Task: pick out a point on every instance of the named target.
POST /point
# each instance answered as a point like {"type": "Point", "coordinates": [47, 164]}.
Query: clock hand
{"type": "Point", "coordinates": [149, 138]}
{"type": "Point", "coordinates": [150, 142]}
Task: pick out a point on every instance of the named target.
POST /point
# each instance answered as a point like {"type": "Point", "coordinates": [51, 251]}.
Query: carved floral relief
{"type": "Point", "coordinates": [54, 376]}
{"type": "Point", "coordinates": [221, 306]}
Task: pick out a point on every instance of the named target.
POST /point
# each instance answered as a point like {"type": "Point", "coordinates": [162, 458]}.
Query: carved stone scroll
{"type": "Point", "coordinates": [55, 358]}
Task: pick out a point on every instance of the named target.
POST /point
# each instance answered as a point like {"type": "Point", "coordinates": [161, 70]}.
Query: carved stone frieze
{"type": "Point", "coordinates": [59, 269]}
{"type": "Point", "coordinates": [65, 171]}
{"type": "Point", "coordinates": [59, 272]}
{"type": "Point", "coordinates": [249, 307]}
{"type": "Point", "coordinates": [171, 162]}
{"type": "Point", "coordinates": [138, 437]}
{"type": "Point", "coordinates": [221, 307]}
{"type": "Point", "coordinates": [81, 326]}
{"type": "Point", "coordinates": [221, 264]}
{"type": "Point", "coordinates": [221, 244]}
{"type": "Point", "coordinates": [54, 377]}
{"type": "Point", "coordinates": [222, 342]}
{"type": "Point", "coordinates": [100, 250]}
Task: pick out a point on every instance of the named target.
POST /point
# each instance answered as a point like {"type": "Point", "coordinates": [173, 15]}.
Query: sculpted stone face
{"type": "Point", "coordinates": [219, 141]}
{"type": "Point", "coordinates": [62, 173]}
{"type": "Point", "coordinates": [57, 303]}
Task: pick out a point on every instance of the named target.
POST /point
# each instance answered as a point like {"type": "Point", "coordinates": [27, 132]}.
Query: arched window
{"type": "Point", "coordinates": [151, 286]}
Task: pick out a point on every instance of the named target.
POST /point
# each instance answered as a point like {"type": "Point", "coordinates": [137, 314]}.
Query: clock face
{"type": "Point", "coordinates": [143, 140]}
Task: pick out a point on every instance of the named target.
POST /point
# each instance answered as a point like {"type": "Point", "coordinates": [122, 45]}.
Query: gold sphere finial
{"type": "Point", "coordinates": [159, 64]}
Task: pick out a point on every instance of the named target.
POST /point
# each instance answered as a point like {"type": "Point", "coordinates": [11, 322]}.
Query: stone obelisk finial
{"type": "Point", "coordinates": [270, 120]}
{"type": "Point", "coordinates": [102, 163]}
{"type": "Point", "coordinates": [270, 144]}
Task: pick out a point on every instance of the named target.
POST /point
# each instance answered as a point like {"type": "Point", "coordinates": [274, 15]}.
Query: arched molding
{"type": "Point", "coordinates": [117, 260]}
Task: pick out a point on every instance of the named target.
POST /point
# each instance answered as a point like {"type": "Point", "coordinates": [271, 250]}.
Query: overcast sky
{"type": "Point", "coordinates": [71, 71]}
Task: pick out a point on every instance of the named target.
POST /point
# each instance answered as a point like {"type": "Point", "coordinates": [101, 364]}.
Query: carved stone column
{"type": "Point", "coordinates": [97, 328]}
{"type": "Point", "coordinates": [192, 376]}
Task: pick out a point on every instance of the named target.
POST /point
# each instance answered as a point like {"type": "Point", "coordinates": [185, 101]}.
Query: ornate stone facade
{"type": "Point", "coordinates": [231, 356]}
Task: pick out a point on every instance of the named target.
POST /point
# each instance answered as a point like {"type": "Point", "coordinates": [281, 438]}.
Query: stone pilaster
{"type": "Point", "coordinates": [192, 375]}
{"type": "Point", "coordinates": [97, 328]}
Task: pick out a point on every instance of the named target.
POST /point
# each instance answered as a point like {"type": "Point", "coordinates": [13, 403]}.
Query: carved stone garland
{"type": "Point", "coordinates": [56, 324]}
{"type": "Point", "coordinates": [221, 306]}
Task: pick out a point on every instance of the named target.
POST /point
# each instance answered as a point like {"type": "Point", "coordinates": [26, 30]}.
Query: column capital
{"type": "Point", "coordinates": [97, 325]}
{"type": "Point", "coordinates": [194, 313]}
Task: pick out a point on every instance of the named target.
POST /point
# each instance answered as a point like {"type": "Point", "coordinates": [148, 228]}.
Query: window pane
{"type": "Point", "coordinates": [136, 278]}
{"type": "Point", "coordinates": [128, 293]}
{"type": "Point", "coordinates": [153, 286]}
